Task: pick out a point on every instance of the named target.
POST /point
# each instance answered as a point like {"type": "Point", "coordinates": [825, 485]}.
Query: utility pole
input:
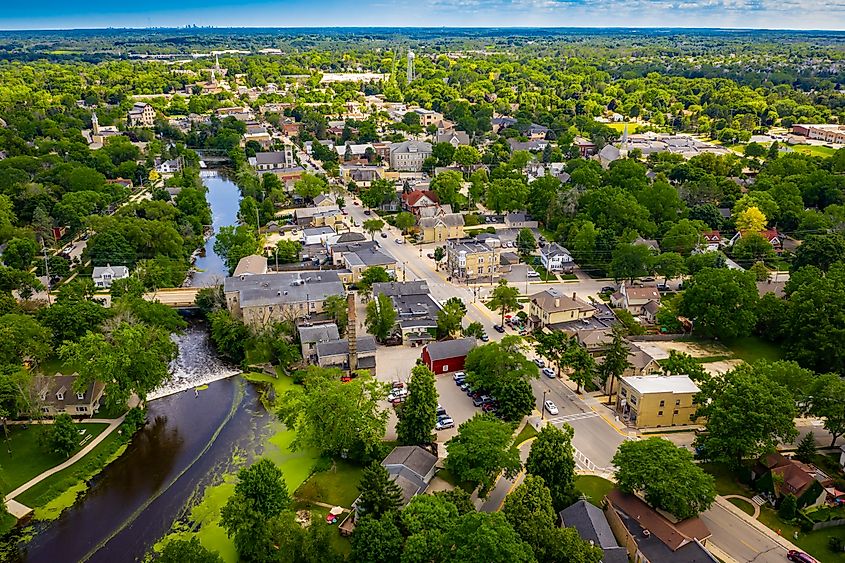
{"type": "Point", "coordinates": [47, 272]}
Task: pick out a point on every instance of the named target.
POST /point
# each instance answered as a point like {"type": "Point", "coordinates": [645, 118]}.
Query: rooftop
{"type": "Point", "coordinates": [284, 287]}
{"type": "Point", "coordinates": [318, 333]}
{"type": "Point", "coordinates": [553, 301]}
{"type": "Point", "coordinates": [591, 524]}
{"type": "Point", "coordinates": [450, 348]}
{"type": "Point", "coordinates": [340, 347]}
{"type": "Point", "coordinates": [662, 384]}
{"type": "Point", "coordinates": [249, 265]}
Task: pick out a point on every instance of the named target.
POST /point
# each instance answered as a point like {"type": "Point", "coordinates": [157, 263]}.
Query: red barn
{"type": "Point", "coordinates": [446, 356]}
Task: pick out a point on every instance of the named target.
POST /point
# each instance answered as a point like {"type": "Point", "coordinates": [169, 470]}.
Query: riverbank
{"type": "Point", "coordinates": [202, 520]}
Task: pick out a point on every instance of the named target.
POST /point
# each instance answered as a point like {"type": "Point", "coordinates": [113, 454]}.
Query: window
{"type": "Point", "coordinates": [675, 412]}
{"type": "Point", "coordinates": [633, 400]}
{"type": "Point", "coordinates": [81, 409]}
{"type": "Point", "coordinates": [80, 396]}
{"type": "Point", "coordinates": [662, 403]}
{"type": "Point", "coordinates": [60, 396]}
{"type": "Point", "coordinates": [45, 409]}
{"type": "Point", "coordinates": [678, 403]}
{"type": "Point", "coordinates": [659, 413]}
{"type": "Point", "coordinates": [623, 392]}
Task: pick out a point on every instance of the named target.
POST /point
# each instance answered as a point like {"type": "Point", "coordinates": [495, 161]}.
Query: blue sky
{"type": "Point", "coordinates": [771, 14]}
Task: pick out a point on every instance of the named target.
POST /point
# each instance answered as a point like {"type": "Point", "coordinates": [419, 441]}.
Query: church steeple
{"type": "Point", "coordinates": [95, 123]}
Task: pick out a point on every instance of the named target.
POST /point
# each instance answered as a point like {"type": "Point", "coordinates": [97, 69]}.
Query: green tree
{"type": "Point", "coordinates": [480, 536]}
{"type": "Point", "coordinates": [806, 450]}
{"type": "Point", "coordinates": [475, 329]}
{"type": "Point", "coordinates": [379, 192]}
{"type": "Point", "coordinates": [404, 221]}
{"type": "Point", "coordinates": [465, 156]}
{"type": "Point", "coordinates": [506, 194]}
{"type": "Point", "coordinates": [373, 226]}
{"type": "Point", "coordinates": [439, 255]}
{"type": "Point", "coordinates": [747, 415]}
{"type": "Point", "coordinates": [376, 541]}
{"type": "Point", "coordinates": [529, 509]}
{"type": "Point", "coordinates": [373, 274]}
{"type": "Point", "coordinates": [582, 364]}
{"type": "Point", "coordinates": [19, 253]}
{"type": "Point", "coordinates": [670, 265]}
{"type": "Point", "coordinates": [630, 261]}
{"type": "Point", "coordinates": [503, 370]}
{"type": "Point", "coordinates": [760, 271]}
{"type": "Point", "coordinates": [418, 414]}
{"type": "Point", "coordinates": [310, 186]}
{"type": "Point", "coordinates": [22, 338]}
{"type": "Point", "coordinates": [287, 251]}
{"type": "Point", "coordinates": [447, 186]}
{"type": "Point", "coordinates": [337, 308]}
{"type": "Point", "coordinates": [679, 363]}
{"type": "Point", "coordinates": [819, 250]}
{"type": "Point", "coordinates": [450, 317]}
{"type": "Point", "coordinates": [525, 241]}
{"type": "Point", "coordinates": [615, 360]}
{"type": "Point", "coordinates": [187, 551]}
{"type": "Point", "coordinates": [827, 401]}
{"type": "Point", "coordinates": [504, 299]}
{"type": "Point", "coordinates": [666, 474]}
{"type": "Point", "coordinates": [358, 423]}
{"type": "Point", "coordinates": [683, 237]}
{"type": "Point", "coordinates": [110, 247]}
{"type": "Point", "coordinates": [381, 317]}
{"type": "Point", "coordinates": [443, 152]}
{"type": "Point", "coordinates": [131, 359]}
{"type": "Point", "coordinates": [553, 345]}
{"type": "Point", "coordinates": [552, 458]}
{"type": "Point", "coordinates": [379, 494]}
{"type": "Point", "coordinates": [229, 335]}
{"type": "Point", "coordinates": [63, 437]}
{"type": "Point", "coordinates": [788, 507]}
{"type": "Point", "coordinates": [753, 247]}
{"type": "Point", "coordinates": [481, 450]}
{"type": "Point", "coordinates": [721, 303]}
{"type": "Point", "coordinates": [233, 243]}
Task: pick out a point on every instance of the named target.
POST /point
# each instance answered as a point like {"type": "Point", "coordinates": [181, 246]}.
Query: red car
{"type": "Point", "coordinates": [799, 557]}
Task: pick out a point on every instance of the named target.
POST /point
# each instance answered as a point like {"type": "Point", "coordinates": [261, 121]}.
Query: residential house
{"type": "Point", "coordinates": [607, 155]}
{"type": "Point", "coordinates": [105, 276]}
{"type": "Point", "coordinates": [311, 335]}
{"type": "Point", "coordinates": [649, 311]}
{"type": "Point", "coordinates": [409, 156]}
{"type": "Point", "coordinates": [417, 311]}
{"type": "Point", "coordinates": [781, 475]}
{"type": "Point", "coordinates": [650, 243]}
{"type": "Point", "coordinates": [260, 300]}
{"type": "Point", "coordinates": [655, 401]}
{"type": "Point", "coordinates": [711, 240]}
{"type": "Point", "coordinates": [586, 148]}
{"type": "Point", "coordinates": [634, 298]}
{"type": "Point", "coordinates": [595, 340]}
{"type": "Point", "coordinates": [468, 259]}
{"type": "Point", "coordinates": [142, 114]}
{"type": "Point", "coordinates": [428, 117]}
{"type": "Point", "coordinates": [550, 308]}
{"type": "Point", "coordinates": [591, 524]}
{"type": "Point", "coordinates": [417, 200]}
{"type": "Point", "coordinates": [351, 151]}
{"type": "Point", "coordinates": [356, 263]}
{"type": "Point", "coordinates": [338, 249]}
{"type": "Point", "coordinates": [254, 264]}
{"type": "Point", "coordinates": [447, 355]}
{"type": "Point", "coordinates": [327, 216]}
{"type": "Point", "coordinates": [171, 166]}
{"type": "Point", "coordinates": [336, 354]}
{"type": "Point", "coordinates": [641, 362]}
{"type": "Point", "coordinates": [771, 235]}
{"type": "Point", "coordinates": [316, 235]}
{"type": "Point", "coordinates": [273, 161]}
{"type": "Point", "coordinates": [650, 537]}
{"type": "Point", "coordinates": [345, 238]}
{"type": "Point", "coordinates": [555, 258]}
{"type": "Point", "coordinates": [532, 145]}
{"type": "Point", "coordinates": [451, 136]}
{"type": "Point", "coordinates": [57, 394]}
{"type": "Point", "coordinates": [536, 131]}
{"type": "Point", "coordinates": [257, 134]}
{"type": "Point", "coordinates": [520, 220]}
{"type": "Point", "coordinates": [502, 122]}
{"type": "Point", "coordinates": [442, 227]}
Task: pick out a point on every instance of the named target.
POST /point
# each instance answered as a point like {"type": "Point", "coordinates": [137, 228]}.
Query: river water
{"type": "Point", "coordinates": [189, 441]}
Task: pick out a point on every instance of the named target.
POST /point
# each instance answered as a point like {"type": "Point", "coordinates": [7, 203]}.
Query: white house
{"type": "Point", "coordinates": [104, 276]}
{"type": "Point", "coordinates": [317, 235]}
{"type": "Point", "coordinates": [555, 257]}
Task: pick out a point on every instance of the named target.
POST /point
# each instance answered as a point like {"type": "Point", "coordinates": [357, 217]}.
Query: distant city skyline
{"type": "Point", "coordinates": [739, 14]}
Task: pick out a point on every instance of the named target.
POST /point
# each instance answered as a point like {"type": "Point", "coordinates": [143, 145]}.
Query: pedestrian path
{"type": "Point", "coordinates": [753, 502]}
{"type": "Point", "coordinates": [15, 507]}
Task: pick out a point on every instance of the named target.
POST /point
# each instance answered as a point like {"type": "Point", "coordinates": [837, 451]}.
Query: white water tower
{"type": "Point", "coordinates": [411, 58]}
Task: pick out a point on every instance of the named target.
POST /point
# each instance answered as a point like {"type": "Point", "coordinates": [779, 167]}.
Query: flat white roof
{"type": "Point", "coordinates": [662, 384]}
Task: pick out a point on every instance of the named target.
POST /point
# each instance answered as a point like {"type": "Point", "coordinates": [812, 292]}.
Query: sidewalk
{"type": "Point", "coordinates": [15, 507]}
{"type": "Point", "coordinates": [763, 529]}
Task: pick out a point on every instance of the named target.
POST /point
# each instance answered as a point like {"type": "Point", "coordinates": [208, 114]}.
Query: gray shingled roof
{"type": "Point", "coordinates": [450, 348]}
{"type": "Point", "coordinates": [414, 458]}
{"type": "Point", "coordinates": [318, 333]}
{"type": "Point", "coordinates": [341, 346]}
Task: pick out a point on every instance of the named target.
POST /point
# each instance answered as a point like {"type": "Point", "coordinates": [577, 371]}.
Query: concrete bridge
{"type": "Point", "coordinates": [177, 297]}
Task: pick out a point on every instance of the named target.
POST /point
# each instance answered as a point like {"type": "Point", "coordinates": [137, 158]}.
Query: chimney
{"type": "Point", "coordinates": [574, 297]}
{"type": "Point", "coordinates": [557, 301]}
{"type": "Point", "coordinates": [351, 336]}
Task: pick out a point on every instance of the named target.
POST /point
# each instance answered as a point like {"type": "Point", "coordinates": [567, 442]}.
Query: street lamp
{"type": "Point", "coordinates": [543, 406]}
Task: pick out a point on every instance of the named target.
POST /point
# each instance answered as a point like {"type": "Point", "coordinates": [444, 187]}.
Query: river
{"type": "Point", "coordinates": [189, 441]}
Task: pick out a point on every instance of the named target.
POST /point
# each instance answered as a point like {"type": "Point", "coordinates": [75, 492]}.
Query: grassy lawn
{"type": "Point", "coordinates": [593, 487]}
{"type": "Point", "coordinates": [544, 275]}
{"type": "Point", "coordinates": [815, 543]}
{"type": "Point", "coordinates": [526, 433]}
{"type": "Point", "coordinates": [336, 486]}
{"type": "Point", "coordinates": [726, 480]}
{"type": "Point", "coordinates": [743, 505]}
{"type": "Point", "coordinates": [318, 514]}
{"type": "Point", "coordinates": [751, 349]}
{"type": "Point", "coordinates": [57, 484]}
{"type": "Point", "coordinates": [813, 150]}
{"type": "Point", "coordinates": [447, 476]}
{"type": "Point", "coordinates": [7, 522]}
{"type": "Point", "coordinates": [28, 458]}
{"type": "Point", "coordinates": [632, 127]}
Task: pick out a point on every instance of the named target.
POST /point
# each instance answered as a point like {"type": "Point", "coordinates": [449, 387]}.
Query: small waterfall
{"type": "Point", "coordinates": [196, 364]}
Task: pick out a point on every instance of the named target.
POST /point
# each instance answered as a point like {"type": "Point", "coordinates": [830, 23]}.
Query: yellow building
{"type": "Point", "coordinates": [654, 401]}
{"type": "Point", "coordinates": [441, 228]}
{"type": "Point", "coordinates": [551, 307]}
{"type": "Point", "coordinates": [469, 259]}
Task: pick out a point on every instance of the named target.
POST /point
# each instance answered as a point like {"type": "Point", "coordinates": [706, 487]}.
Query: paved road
{"type": "Point", "coordinates": [740, 539]}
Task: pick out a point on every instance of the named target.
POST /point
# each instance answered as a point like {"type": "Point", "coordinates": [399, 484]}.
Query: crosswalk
{"type": "Point", "coordinates": [571, 417]}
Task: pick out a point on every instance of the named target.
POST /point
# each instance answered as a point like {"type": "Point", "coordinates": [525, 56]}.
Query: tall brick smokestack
{"type": "Point", "coordinates": [351, 334]}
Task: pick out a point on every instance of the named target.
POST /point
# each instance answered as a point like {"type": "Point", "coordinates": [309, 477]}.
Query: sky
{"type": "Point", "coordinates": [768, 14]}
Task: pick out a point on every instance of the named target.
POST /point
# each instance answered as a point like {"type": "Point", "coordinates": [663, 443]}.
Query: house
{"type": "Point", "coordinates": [532, 145]}
{"type": "Point", "coordinates": [711, 240]}
{"type": "Point", "coordinates": [641, 362]}
{"type": "Point", "coordinates": [655, 401]}
{"type": "Point", "coordinates": [348, 237]}
{"type": "Point", "coordinates": [555, 257]}
{"type": "Point", "coordinates": [142, 114]}
{"type": "Point", "coordinates": [338, 249]}
{"type": "Point", "coordinates": [171, 166]}
{"type": "Point", "coordinates": [416, 310]}
{"type": "Point", "coordinates": [336, 354]}
{"type": "Point", "coordinates": [447, 355]}
{"type": "Point", "coordinates": [502, 122]}
{"type": "Point", "coordinates": [351, 151]}
{"type": "Point", "coordinates": [536, 131]}
{"type": "Point", "coordinates": [451, 136]}
{"type": "Point", "coordinates": [316, 235]}
{"type": "Point", "coordinates": [251, 265]}
{"type": "Point", "coordinates": [262, 299]}
{"type": "Point", "coordinates": [57, 394]}
{"type": "Point", "coordinates": [650, 243]}
{"type": "Point", "coordinates": [586, 148]}
{"type": "Point", "coordinates": [418, 200]}
{"type": "Point", "coordinates": [591, 524]}
{"type": "Point", "coordinates": [650, 537]}
{"type": "Point", "coordinates": [781, 475]}
{"type": "Point", "coordinates": [318, 216]}
{"type": "Point", "coordinates": [634, 298]}
{"type": "Point", "coordinates": [273, 161]}
{"type": "Point", "coordinates": [428, 116]}
{"type": "Point", "coordinates": [311, 335]}
{"type": "Point", "coordinates": [468, 259]}
{"type": "Point", "coordinates": [607, 155]}
{"type": "Point", "coordinates": [649, 311]}
{"type": "Point", "coordinates": [550, 307]}
{"type": "Point", "coordinates": [771, 235]}
{"type": "Point", "coordinates": [519, 220]}
{"type": "Point", "coordinates": [357, 262]}
{"type": "Point", "coordinates": [105, 276]}
{"type": "Point", "coordinates": [409, 156]}
{"type": "Point", "coordinates": [442, 227]}
{"type": "Point", "coordinates": [595, 340]}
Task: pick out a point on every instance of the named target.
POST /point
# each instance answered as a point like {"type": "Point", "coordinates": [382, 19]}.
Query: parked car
{"type": "Point", "coordinates": [398, 385]}
{"type": "Point", "coordinates": [444, 423]}
{"type": "Point", "coordinates": [533, 273]}
{"type": "Point", "coordinates": [441, 411]}
{"type": "Point", "coordinates": [799, 556]}
{"type": "Point", "coordinates": [608, 289]}
{"type": "Point", "coordinates": [484, 337]}
{"type": "Point", "coordinates": [481, 400]}
{"type": "Point", "coordinates": [397, 393]}
{"type": "Point", "coordinates": [396, 400]}
{"type": "Point", "coordinates": [550, 407]}
{"type": "Point", "coordinates": [366, 212]}
{"type": "Point", "coordinates": [539, 363]}
{"type": "Point", "coordinates": [499, 328]}
{"type": "Point", "coordinates": [384, 235]}
{"type": "Point", "coordinates": [399, 241]}
{"type": "Point", "coordinates": [492, 406]}
{"type": "Point", "coordinates": [459, 375]}
{"type": "Point", "coordinates": [549, 372]}
{"type": "Point", "coordinates": [430, 255]}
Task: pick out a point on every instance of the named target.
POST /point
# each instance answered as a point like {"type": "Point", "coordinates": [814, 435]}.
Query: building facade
{"type": "Point", "coordinates": [655, 401]}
